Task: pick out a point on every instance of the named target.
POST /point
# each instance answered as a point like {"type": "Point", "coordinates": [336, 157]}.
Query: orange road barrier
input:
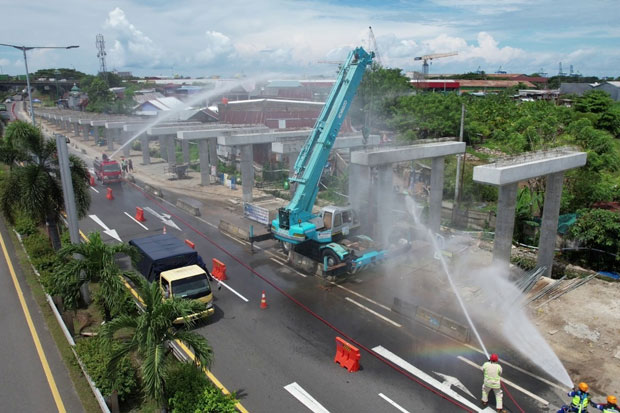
{"type": "Point", "coordinates": [190, 244]}
{"type": "Point", "coordinates": [92, 181]}
{"type": "Point", "coordinates": [347, 355]}
{"type": "Point", "coordinates": [140, 214]}
{"type": "Point", "coordinates": [110, 196]}
{"type": "Point", "coordinates": [219, 270]}
{"type": "Point", "coordinates": [164, 229]}
{"type": "Point", "coordinates": [263, 301]}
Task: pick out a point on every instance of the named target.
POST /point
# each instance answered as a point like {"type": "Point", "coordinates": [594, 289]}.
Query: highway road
{"type": "Point", "coordinates": [33, 376]}
{"type": "Point", "coordinates": [281, 358]}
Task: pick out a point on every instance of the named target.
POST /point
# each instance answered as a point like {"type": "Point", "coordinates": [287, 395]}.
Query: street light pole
{"type": "Point", "coordinates": [24, 49]}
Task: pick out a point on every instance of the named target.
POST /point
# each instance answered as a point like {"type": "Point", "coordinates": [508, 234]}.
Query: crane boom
{"type": "Point", "coordinates": [435, 56]}
{"type": "Point", "coordinates": [294, 221]}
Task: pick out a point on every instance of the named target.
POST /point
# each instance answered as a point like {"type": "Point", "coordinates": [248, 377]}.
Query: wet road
{"type": "Point", "coordinates": [261, 353]}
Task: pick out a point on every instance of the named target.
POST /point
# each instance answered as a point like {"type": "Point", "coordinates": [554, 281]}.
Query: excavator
{"type": "Point", "coordinates": [327, 237]}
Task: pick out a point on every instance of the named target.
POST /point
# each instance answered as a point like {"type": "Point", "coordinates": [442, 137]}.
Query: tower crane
{"type": "Point", "coordinates": [372, 44]}
{"type": "Point", "coordinates": [428, 57]}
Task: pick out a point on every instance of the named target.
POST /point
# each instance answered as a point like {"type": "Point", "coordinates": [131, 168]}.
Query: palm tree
{"type": "Point", "coordinates": [152, 331]}
{"type": "Point", "coordinates": [33, 184]}
{"type": "Point", "coordinates": [97, 263]}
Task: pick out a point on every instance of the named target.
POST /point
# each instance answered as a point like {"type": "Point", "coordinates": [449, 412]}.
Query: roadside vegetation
{"type": "Point", "coordinates": [129, 355]}
{"type": "Point", "coordinates": [497, 125]}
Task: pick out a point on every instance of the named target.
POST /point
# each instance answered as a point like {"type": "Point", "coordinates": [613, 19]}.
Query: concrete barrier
{"type": "Point", "coordinates": [233, 230]}
{"type": "Point", "coordinates": [431, 320]}
{"type": "Point", "coordinates": [153, 191]}
{"type": "Point", "coordinates": [305, 264]}
{"type": "Point", "coordinates": [189, 205]}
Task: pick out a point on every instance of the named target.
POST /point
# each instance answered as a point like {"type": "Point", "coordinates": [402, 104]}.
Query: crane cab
{"type": "Point", "coordinates": [338, 222]}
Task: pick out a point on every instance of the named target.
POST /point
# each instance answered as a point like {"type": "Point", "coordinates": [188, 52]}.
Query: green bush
{"type": "Point", "coordinates": [184, 385]}
{"type": "Point", "coordinates": [598, 230]}
{"type": "Point", "coordinates": [212, 400]}
{"type": "Point", "coordinates": [96, 356]}
{"type": "Point", "coordinates": [189, 391]}
{"type": "Point", "coordinates": [25, 226]}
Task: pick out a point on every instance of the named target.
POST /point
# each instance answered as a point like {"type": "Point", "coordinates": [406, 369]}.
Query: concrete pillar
{"type": "Point", "coordinates": [213, 153]}
{"type": "Point", "coordinates": [86, 131]}
{"type": "Point", "coordinates": [247, 171]}
{"type": "Point", "coordinates": [359, 193]}
{"type": "Point", "coordinates": [505, 222]}
{"type": "Point", "coordinates": [549, 226]}
{"type": "Point", "coordinates": [172, 153]}
{"type": "Point", "coordinates": [203, 158]}
{"type": "Point", "coordinates": [144, 144]}
{"type": "Point", "coordinates": [76, 128]}
{"type": "Point", "coordinates": [185, 150]}
{"type": "Point", "coordinates": [434, 212]}
{"type": "Point", "coordinates": [126, 148]}
{"type": "Point", "coordinates": [384, 195]}
{"type": "Point", "coordinates": [109, 137]}
{"type": "Point", "coordinates": [163, 148]}
{"type": "Point", "coordinates": [67, 125]}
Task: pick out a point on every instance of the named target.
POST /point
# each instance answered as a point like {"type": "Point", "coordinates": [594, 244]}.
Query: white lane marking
{"type": "Point", "coordinates": [110, 232]}
{"type": "Point", "coordinates": [393, 403]}
{"type": "Point", "coordinates": [236, 293]}
{"type": "Point", "coordinates": [453, 381]}
{"type": "Point", "coordinates": [136, 221]}
{"type": "Point", "coordinates": [370, 300]}
{"type": "Point", "coordinates": [287, 266]}
{"type": "Point", "coordinates": [383, 352]}
{"type": "Point", "coordinates": [563, 389]}
{"type": "Point", "coordinates": [511, 384]}
{"type": "Point", "coordinates": [373, 312]}
{"type": "Point", "coordinates": [206, 222]}
{"type": "Point", "coordinates": [304, 397]}
{"type": "Point", "coordinates": [94, 189]}
{"type": "Point", "coordinates": [164, 218]}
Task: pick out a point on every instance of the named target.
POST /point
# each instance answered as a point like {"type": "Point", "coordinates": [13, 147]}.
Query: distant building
{"type": "Point", "coordinates": [152, 107]}
{"type": "Point", "coordinates": [274, 113]}
{"type": "Point", "coordinates": [579, 89]}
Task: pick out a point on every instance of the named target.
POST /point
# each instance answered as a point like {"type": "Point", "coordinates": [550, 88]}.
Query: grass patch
{"type": "Point", "coordinates": [77, 377]}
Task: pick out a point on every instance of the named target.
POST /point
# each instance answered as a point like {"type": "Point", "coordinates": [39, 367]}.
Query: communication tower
{"type": "Point", "coordinates": [101, 55]}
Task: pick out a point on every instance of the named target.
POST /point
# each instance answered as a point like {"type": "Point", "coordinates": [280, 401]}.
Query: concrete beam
{"type": "Point", "coordinates": [173, 129]}
{"type": "Point", "coordinates": [528, 166]}
{"type": "Point", "coordinates": [341, 142]}
{"type": "Point", "coordinates": [98, 122]}
{"type": "Point", "coordinates": [260, 137]}
{"type": "Point", "coordinates": [214, 133]}
{"type": "Point", "coordinates": [377, 157]}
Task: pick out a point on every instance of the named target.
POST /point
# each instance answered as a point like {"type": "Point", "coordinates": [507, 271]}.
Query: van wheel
{"type": "Point", "coordinates": [332, 257]}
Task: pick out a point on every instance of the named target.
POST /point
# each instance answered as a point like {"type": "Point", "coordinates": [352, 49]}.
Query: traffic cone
{"type": "Point", "coordinates": [263, 301]}
{"type": "Point", "coordinates": [109, 195]}
{"type": "Point", "coordinates": [164, 229]}
{"type": "Point", "coordinates": [92, 181]}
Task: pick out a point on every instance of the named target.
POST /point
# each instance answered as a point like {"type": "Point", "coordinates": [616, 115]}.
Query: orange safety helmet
{"type": "Point", "coordinates": [494, 358]}
{"type": "Point", "coordinates": [612, 400]}
{"type": "Point", "coordinates": [583, 386]}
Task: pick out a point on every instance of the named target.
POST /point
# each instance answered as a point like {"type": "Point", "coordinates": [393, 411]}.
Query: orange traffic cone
{"type": "Point", "coordinates": [92, 181]}
{"type": "Point", "coordinates": [263, 301]}
{"type": "Point", "coordinates": [164, 229]}
{"type": "Point", "coordinates": [109, 195]}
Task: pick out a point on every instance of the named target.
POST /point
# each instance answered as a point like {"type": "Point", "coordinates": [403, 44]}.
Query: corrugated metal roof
{"type": "Point", "coordinates": [284, 83]}
{"type": "Point", "coordinates": [614, 83]}
{"type": "Point", "coordinates": [492, 83]}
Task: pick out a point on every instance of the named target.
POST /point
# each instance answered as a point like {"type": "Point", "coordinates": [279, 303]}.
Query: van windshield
{"type": "Point", "coordinates": [191, 287]}
{"type": "Point", "coordinates": [112, 167]}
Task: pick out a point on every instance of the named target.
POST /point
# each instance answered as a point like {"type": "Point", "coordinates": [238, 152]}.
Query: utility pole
{"type": "Point", "coordinates": [459, 159]}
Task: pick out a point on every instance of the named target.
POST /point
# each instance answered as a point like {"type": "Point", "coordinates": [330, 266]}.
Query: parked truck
{"type": "Point", "coordinates": [178, 269]}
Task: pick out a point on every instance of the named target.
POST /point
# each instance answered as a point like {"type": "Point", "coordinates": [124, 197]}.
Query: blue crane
{"type": "Point", "coordinates": [315, 235]}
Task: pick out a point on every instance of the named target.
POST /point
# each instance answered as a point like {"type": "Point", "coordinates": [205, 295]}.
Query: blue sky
{"type": "Point", "coordinates": [280, 38]}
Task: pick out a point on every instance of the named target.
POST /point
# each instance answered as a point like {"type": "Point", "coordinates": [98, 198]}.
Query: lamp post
{"type": "Point", "coordinates": [56, 74]}
{"type": "Point", "coordinates": [24, 49]}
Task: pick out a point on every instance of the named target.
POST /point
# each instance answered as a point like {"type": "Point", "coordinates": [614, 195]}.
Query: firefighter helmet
{"type": "Point", "coordinates": [583, 386]}
{"type": "Point", "coordinates": [612, 400]}
{"type": "Point", "coordinates": [494, 358]}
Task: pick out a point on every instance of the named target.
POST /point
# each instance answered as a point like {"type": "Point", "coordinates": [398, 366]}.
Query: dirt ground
{"type": "Point", "coordinates": [583, 328]}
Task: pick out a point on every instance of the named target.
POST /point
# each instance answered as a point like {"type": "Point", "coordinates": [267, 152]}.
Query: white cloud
{"type": "Point", "coordinates": [132, 48]}
{"type": "Point", "coordinates": [5, 62]}
{"type": "Point", "coordinates": [217, 46]}
{"type": "Point", "coordinates": [489, 51]}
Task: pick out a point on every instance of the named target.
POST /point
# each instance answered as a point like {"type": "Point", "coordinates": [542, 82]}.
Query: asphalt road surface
{"type": "Point", "coordinates": [33, 377]}
{"type": "Point", "coordinates": [281, 358]}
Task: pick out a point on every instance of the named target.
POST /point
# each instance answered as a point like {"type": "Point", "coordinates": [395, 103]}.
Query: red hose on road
{"type": "Point", "coordinates": [512, 398]}
{"type": "Point", "coordinates": [308, 310]}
